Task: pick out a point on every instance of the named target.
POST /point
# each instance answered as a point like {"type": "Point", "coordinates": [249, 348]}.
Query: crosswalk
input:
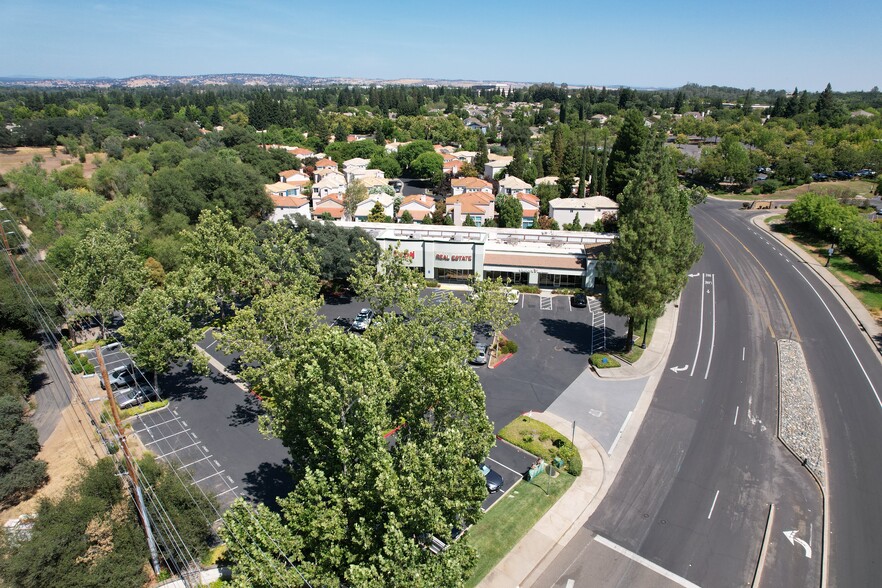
{"type": "Point", "coordinates": [598, 325]}
{"type": "Point", "coordinates": [546, 302]}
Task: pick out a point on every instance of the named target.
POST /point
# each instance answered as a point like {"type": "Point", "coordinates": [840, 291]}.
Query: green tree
{"type": "Point", "coordinates": [407, 153]}
{"type": "Point", "coordinates": [105, 275]}
{"type": "Point", "coordinates": [20, 473]}
{"type": "Point", "coordinates": [626, 152]}
{"type": "Point", "coordinates": [655, 246]}
{"type": "Point", "coordinates": [377, 214]}
{"type": "Point", "coordinates": [427, 165]}
{"type": "Point", "coordinates": [510, 211]}
{"type": "Point", "coordinates": [221, 260]}
{"type": "Point", "coordinates": [159, 333]}
{"type": "Point", "coordinates": [335, 248]}
{"type": "Point", "coordinates": [490, 306]}
{"type": "Point", "coordinates": [390, 281]}
{"type": "Point", "coordinates": [356, 193]}
{"type": "Point", "coordinates": [482, 155]}
{"type": "Point", "coordinates": [406, 217]}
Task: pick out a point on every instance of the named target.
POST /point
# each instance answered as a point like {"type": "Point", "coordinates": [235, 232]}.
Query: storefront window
{"type": "Point", "coordinates": [452, 275]}
{"type": "Point", "coordinates": [509, 277]}
{"type": "Point", "coordinates": [560, 281]}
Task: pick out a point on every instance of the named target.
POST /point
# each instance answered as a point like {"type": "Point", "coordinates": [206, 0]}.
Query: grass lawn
{"type": "Point", "coordinates": [839, 189]}
{"type": "Point", "coordinates": [505, 524]}
{"type": "Point", "coordinates": [866, 287]}
{"type": "Point", "coordinates": [539, 439]}
{"type": "Point", "coordinates": [636, 350]}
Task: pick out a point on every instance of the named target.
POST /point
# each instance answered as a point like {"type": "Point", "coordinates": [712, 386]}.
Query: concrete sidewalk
{"type": "Point", "coordinates": [532, 555]}
{"type": "Point", "coordinates": [862, 317]}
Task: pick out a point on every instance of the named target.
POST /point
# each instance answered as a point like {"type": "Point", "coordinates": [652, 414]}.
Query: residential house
{"type": "Point", "coordinates": [418, 205]}
{"type": "Point", "coordinates": [374, 184]}
{"type": "Point", "coordinates": [284, 189]}
{"type": "Point", "coordinates": [590, 210]}
{"type": "Point", "coordinates": [512, 185]}
{"type": "Point", "coordinates": [326, 164]}
{"type": "Point", "coordinates": [301, 153]}
{"type": "Point", "coordinates": [530, 205]}
{"type": "Point", "coordinates": [477, 205]}
{"type": "Point", "coordinates": [293, 176]}
{"type": "Point", "coordinates": [600, 119]}
{"type": "Point", "coordinates": [549, 180]}
{"type": "Point", "coordinates": [474, 124]}
{"type": "Point", "coordinates": [496, 164]}
{"type": "Point", "coordinates": [331, 204]}
{"type": "Point", "coordinates": [363, 174]}
{"type": "Point", "coordinates": [287, 205]}
{"type": "Point", "coordinates": [392, 147]}
{"type": "Point", "coordinates": [365, 207]}
{"type": "Point", "coordinates": [466, 185]}
{"type": "Point", "coordinates": [466, 156]}
{"type": "Point", "coordinates": [452, 166]}
{"type": "Point", "coordinates": [329, 184]}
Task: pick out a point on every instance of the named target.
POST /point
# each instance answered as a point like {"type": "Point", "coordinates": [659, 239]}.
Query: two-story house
{"type": "Point", "coordinates": [465, 185]}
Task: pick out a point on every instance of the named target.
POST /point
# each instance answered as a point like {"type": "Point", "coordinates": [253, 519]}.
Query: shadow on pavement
{"type": "Point", "coordinates": [245, 412]}
{"type": "Point", "coordinates": [577, 335]}
{"type": "Point", "coordinates": [269, 482]}
{"type": "Point", "coordinates": [182, 384]}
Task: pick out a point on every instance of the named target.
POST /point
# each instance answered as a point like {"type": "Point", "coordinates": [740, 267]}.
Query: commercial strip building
{"type": "Point", "coordinates": [548, 259]}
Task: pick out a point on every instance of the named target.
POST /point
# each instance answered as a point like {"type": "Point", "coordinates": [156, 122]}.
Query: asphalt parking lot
{"type": "Point", "coordinates": [210, 425]}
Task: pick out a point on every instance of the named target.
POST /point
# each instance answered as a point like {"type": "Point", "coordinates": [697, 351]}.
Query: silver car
{"type": "Point", "coordinates": [480, 357]}
{"type": "Point", "coordinates": [363, 320]}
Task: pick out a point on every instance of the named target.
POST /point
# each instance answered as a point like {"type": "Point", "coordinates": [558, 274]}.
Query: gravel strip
{"type": "Point", "coordinates": [798, 424]}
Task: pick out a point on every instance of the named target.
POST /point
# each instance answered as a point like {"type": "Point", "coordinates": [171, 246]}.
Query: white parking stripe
{"type": "Point", "coordinates": [176, 450]}
{"type": "Point", "coordinates": [210, 476]}
{"type": "Point", "coordinates": [197, 461]}
{"type": "Point", "coordinates": [166, 437]}
{"type": "Point", "coordinates": [503, 465]}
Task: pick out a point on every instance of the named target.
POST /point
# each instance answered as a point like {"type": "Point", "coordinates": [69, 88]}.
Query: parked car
{"type": "Point", "coordinates": [512, 295]}
{"type": "Point", "coordinates": [579, 300]}
{"type": "Point", "coordinates": [120, 377]}
{"type": "Point", "coordinates": [480, 357]}
{"type": "Point", "coordinates": [865, 173]}
{"type": "Point", "coordinates": [363, 320]}
{"type": "Point", "coordinates": [493, 479]}
{"type": "Point", "coordinates": [134, 395]}
{"type": "Point", "coordinates": [820, 177]}
{"type": "Point", "coordinates": [843, 175]}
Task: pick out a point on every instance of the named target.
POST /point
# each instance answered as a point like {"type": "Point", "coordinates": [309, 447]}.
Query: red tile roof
{"type": "Point", "coordinates": [288, 201]}
{"type": "Point", "coordinates": [325, 163]}
{"type": "Point", "coordinates": [470, 183]}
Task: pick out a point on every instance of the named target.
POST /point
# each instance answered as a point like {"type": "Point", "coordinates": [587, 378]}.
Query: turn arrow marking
{"type": "Point", "coordinates": [693, 275]}
{"type": "Point", "coordinates": [791, 536]}
{"type": "Point", "coordinates": [680, 369]}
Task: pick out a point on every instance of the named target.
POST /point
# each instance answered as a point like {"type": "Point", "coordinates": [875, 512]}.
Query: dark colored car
{"type": "Point", "coordinates": [865, 173]}
{"type": "Point", "coordinates": [493, 479]}
{"type": "Point", "coordinates": [843, 175]}
{"type": "Point", "coordinates": [580, 300]}
{"type": "Point", "coordinates": [819, 177]}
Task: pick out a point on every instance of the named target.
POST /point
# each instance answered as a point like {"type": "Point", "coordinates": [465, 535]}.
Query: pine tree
{"type": "Point", "coordinates": [626, 152]}
{"type": "Point", "coordinates": [558, 147]}
{"type": "Point", "coordinates": [482, 157]}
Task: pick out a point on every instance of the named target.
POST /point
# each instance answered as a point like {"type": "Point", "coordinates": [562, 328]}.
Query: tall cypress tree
{"type": "Point", "coordinates": [626, 152]}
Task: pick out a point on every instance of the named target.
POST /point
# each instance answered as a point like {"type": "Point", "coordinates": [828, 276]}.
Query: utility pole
{"type": "Point", "coordinates": [133, 477]}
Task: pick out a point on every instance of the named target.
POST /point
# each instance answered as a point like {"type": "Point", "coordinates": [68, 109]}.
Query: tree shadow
{"type": "Point", "coordinates": [576, 335]}
{"type": "Point", "coordinates": [269, 482]}
{"type": "Point", "coordinates": [182, 383]}
{"type": "Point", "coordinates": [246, 411]}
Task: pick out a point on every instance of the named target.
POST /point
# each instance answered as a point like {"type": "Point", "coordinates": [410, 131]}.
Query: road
{"type": "Point", "coordinates": [694, 492]}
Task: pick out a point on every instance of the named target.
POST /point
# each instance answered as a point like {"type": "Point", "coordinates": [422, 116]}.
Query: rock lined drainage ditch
{"type": "Point", "coordinates": [799, 426]}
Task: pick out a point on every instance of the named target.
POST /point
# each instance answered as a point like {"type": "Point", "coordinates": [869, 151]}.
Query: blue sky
{"type": "Point", "coordinates": [639, 43]}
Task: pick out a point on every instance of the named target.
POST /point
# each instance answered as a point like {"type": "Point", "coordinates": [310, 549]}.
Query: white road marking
{"type": "Point", "coordinates": [677, 369]}
{"type": "Point", "coordinates": [736, 416]}
{"type": "Point", "coordinates": [197, 461]}
{"type": "Point", "coordinates": [216, 462]}
{"type": "Point", "coordinates": [869, 381]}
{"type": "Point", "coordinates": [713, 324]}
{"type": "Point", "coordinates": [185, 423]}
{"type": "Point", "coordinates": [229, 478]}
{"type": "Point", "coordinates": [178, 449]}
{"type": "Point", "coordinates": [619, 435]}
{"type": "Point", "coordinates": [570, 583]}
{"type": "Point", "coordinates": [700, 328]}
{"type": "Point", "coordinates": [743, 352]}
{"type": "Point", "coordinates": [503, 465]}
{"type": "Point", "coordinates": [166, 437]}
{"type": "Point", "coordinates": [645, 562]}
{"type": "Point", "coordinates": [205, 449]}
{"type": "Point", "coordinates": [713, 504]}
{"type": "Point", "coordinates": [233, 489]}
{"type": "Point", "coordinates": [209, 476]}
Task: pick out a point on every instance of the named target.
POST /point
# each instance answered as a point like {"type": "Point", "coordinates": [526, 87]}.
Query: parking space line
{"type": "Point", "coordinates": [197, 461]}
{"type": "Point", "coordinates": [233, 489]}
{"type": "Point", "coordinates": [176, 450]}
{"type": "Point", "coordinates": [210, 476]}
{"type": "Point", "coordinates": [153, 426]}
{"type": "Point", "coordinates": [505, 466]}
{"type": "Point", "coordinates": [166, 437]}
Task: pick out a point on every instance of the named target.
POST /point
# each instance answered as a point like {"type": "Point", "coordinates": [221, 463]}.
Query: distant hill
{"type": "Point", "coordinates": [238, 79]}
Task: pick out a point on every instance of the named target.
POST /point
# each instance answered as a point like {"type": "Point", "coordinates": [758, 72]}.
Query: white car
{"type": "Point", "coordinates": [512, 295]}
{"type": "Point", "coordinates": [363, 320]}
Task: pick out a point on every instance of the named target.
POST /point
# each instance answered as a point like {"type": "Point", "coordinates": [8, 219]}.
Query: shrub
{"type": "Point", "coordinates": [543, 441]}
{"type": "Point", "coordinates": [770, 186]}
{"type": "Point", "coordinates": [508, 346]}
{"type": "Point", "coordinates": [526, 289]}
{"type": "Point", "coordinates": [432, 284]}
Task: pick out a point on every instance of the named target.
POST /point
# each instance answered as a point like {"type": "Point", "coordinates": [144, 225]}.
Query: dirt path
{"type": "Point", "coordinates": [16, 157]}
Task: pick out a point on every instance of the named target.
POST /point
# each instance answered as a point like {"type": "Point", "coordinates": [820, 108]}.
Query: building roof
{"type": "Point", "coordinates": [373, 181]}
{"type": "Point", "coordinates": [290, 172]}
{"type": "Point", "coordinates": [524, 197]}
{"type": "Point", "coordinates": [419, 200]}
{"type": "Point", "coordinates": [301, 151]}
{"type": "Point", "coordinates": [514, 183]}
{"type": "Point", "coordinates": [567, 262]}
{"type": "Point", "coordinates": [471, 202]}
{"type": "Point", "coordinates": [477, 183]}
{"type": "Point", "coordinates": [357, 162]}
{"type": "Point", "coordinates": [288, 201]}
{"type": "Point", "coordinates": [325, 163]}
{"type": "Point", "coordinates": [473, 122]}
{"type": "Point", "coordinates": [279, 187]}
{"type": "Point", "coordinates": [592, 202]}
{"type": "Point", "coordinates": [330, 181]}
{"type": "Point", "coordinates": [505, 159]}
{"type": "Point", "coordinates": [550, 180]}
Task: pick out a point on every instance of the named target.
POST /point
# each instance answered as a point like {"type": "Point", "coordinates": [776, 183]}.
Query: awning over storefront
{"type": "Point", "coordinates": [562, 262]}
